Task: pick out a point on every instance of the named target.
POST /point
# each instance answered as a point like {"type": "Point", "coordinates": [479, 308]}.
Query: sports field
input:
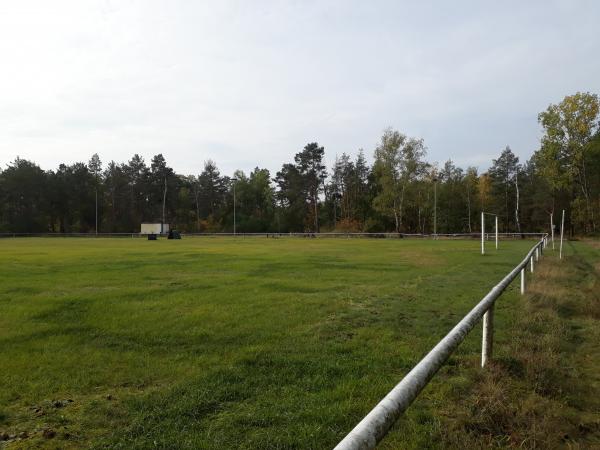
{"type": "Point", "coordinates": [232, 343]}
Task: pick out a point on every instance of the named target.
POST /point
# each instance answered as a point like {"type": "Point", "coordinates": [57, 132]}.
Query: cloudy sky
{"type": "Point", "coordinates": [249, 83]}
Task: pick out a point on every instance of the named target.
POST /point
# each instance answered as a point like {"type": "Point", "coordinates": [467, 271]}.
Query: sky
{"type": "Point", "coordinates": [249, 83]}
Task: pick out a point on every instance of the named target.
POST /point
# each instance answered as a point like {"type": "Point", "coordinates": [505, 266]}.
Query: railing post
{"type": "Point", "coordinates": [522, 280]}
{"type": "Point", "coordinates": [537, 253]}
{"type": "Point", "coordinates": [488, 336]}
{"type": "Point", "coordinates": [531, 259]}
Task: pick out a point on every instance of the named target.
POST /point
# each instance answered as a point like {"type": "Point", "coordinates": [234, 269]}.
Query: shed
{"type": "Point", "coordinates": [154, 228]}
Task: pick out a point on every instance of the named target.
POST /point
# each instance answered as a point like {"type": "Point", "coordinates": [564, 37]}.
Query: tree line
{"type": "Point", "coordinates": [399, 192]}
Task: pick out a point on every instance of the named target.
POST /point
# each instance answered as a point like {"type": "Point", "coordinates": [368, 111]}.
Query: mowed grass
{"type": "Point", "coordinates": [231, 343]}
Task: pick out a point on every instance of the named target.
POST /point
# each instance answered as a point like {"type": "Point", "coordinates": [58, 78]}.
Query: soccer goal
{"type": "Point", "coordinates": [483, 214]}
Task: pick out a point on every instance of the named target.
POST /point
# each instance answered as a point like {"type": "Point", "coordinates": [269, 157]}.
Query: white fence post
{"type": "Point", "coordinates": [482, 233]}
{"type": "Point", "coordinates": [487, 342]}
{"type": "Point", "coordinates": [531, 260]}
{"type": "Point", "coordinates": [496, 232]}
{"type": "Point", "coordinates": [522, 280]}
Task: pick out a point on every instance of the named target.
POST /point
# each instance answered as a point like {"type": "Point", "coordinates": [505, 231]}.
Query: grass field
{"type": "Point", "coordinates": [236, 343]}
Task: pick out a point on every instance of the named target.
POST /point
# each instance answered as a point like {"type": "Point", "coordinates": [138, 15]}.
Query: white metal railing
{"type": "Point", "coordinates": [83, 235]}
{"type": "Point", "coordinates": [316, 235]}
{"type": "Point", "coordinates": [376, 424]}
{"type": "Point", "coordinates": [391, 235]}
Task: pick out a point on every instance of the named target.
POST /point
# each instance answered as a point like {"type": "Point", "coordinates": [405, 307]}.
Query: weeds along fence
{"type": "Point", "coordinates": [282, 235]}
{"type": "Point", "coordinates": [375, 425]}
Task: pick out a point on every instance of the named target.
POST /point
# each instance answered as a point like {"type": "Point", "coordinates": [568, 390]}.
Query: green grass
{"type": "Point", "coordinates": [234, 343]}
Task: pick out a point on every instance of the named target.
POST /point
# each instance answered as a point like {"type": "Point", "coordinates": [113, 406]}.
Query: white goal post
{"type": "Point", "coordinates": [483, 213]}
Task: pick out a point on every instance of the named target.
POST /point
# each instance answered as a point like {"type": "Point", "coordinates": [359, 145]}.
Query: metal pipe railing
{"type": "Point", "coordinates": [318, 235]}
{"type": "Point", "coordinates": [376, 424]}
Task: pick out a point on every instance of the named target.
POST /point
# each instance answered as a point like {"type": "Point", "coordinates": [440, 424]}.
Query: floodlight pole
{"type": "Point", "coordinates": [482, 233]}
{"type": "Point", "coordinates": [163, 206]}
{"type": "Point", "coordinates": [552, 229]}
{"type": "Point", "coordinates": [96, 210]}
{"type": "Point", "coordinates": [435, 208]}
{"type": "Point", "coordinates": [234, 230]}
{"type": "Point", "coordinates": [562, 230]}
